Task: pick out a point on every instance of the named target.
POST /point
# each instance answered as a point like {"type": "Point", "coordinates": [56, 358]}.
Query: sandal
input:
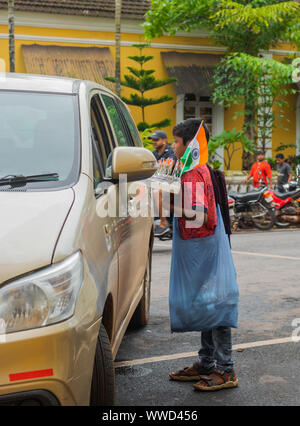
{"type": "Point", "coordinates": [188, 374]}
{"type": "Point", "coordinates": [217, 380]}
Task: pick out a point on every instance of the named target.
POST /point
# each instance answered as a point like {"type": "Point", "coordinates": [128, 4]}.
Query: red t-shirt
{"type": "Point", "coordinates": [260, 171]}
{"type": "Point", "coordinates": [199, 197]}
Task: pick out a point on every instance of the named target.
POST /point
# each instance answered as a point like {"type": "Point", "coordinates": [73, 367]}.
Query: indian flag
{"type": "Point", "coordinates": [196, 153]}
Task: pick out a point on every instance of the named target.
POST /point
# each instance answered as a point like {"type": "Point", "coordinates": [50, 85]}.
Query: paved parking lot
{"type": "Point", "coordinates": [267, 360]}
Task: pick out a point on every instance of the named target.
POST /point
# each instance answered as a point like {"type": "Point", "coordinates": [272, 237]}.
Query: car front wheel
{"type": "Point", "coordinates": [103, 381]}
{"type": "Point", "coordinates": [142, 312]}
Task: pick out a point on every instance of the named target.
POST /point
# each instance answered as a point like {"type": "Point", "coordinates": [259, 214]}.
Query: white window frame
{"type": "Point", "coordinates": [217, 120]}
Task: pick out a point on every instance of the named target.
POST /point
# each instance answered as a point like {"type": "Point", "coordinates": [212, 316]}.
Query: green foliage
{"type": "Point", "coordinates": [163, 123]}
{"type": "Point", "coordinates": [239, 76]}
{"type": "Point", "coordinates": [145, 135]}
{"type": "Point", "coordinates": [231, 142]}
{"type": "Point", "coordinates": [257, 82]}
{"type": "Point", "coordinates": [140, 73]}
{"type": "Point", "coordinates": [242, 26]}
{"type": "Point", "coordinates": [245, 28]}
{"type": "Point", "coordinates": [294, 160]}
{"type": "Point", "coordinates": [170, 16]}
{"type": "Point", "coordinates": [257, 19]}
{"type": "Point", "coordinates": [140, 101]}
{"type": "Point", "coordinates": [141, 59]}
{"type": "Point", "coordinates": [143, 125]}
{"type": "Point", "coordinates": [142, 80]}
{"type": "Point", "coordinates": [216, 164]}
{"type": "Point", "coordinates": [283, 147]}
{"type": "Point", "coordinates": [272, 162]}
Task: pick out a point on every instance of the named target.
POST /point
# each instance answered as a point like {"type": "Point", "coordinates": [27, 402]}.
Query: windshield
{"type": "Point", "coordinates": [39, 134]}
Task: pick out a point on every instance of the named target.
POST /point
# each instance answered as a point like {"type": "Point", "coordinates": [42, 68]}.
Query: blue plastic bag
{"type": "Point", "coordinates": [203, 288]}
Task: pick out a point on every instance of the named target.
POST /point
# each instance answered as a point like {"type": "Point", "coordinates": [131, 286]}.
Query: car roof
{"type": "Point", "coordinates": [44, 83]}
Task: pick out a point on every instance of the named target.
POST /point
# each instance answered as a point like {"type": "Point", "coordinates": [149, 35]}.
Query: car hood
{"type": "Point", "coordinates": [30, 224]}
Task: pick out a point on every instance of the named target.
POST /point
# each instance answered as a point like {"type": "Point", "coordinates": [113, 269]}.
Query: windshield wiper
{"type": "Point", "coordinates": [16, 180]}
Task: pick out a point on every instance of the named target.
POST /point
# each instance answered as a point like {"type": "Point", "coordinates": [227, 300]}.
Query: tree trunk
{"type": "Point", "coordinates": [118, 5]}
{"type": "Point", "coordinates": [11, 30]}
{"type": "Point", "coordinates": [250, 132]}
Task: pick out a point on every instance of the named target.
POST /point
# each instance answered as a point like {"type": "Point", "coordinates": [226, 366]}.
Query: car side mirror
{"type": "Point", "coordinates": [135, 163]}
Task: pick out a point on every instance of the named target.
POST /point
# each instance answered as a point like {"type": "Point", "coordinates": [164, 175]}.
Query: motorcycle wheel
{"type": "Point", "coordinates": [280, 224]}
{"type": "Point", "coordinates": [268, 219]}
{"type": "Point", "coordinates": [283, 224]}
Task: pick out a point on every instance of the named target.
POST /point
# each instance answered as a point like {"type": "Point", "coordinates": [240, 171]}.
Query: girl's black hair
{"type": "Point", "coordinates": [187, 129]}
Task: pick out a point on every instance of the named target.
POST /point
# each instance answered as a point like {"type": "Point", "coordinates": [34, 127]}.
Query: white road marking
{"type": "Point", "coordinates": [245, 253]}
{"type": "Point", "coordinates": [192, 354]}
{"type": "Point", "coordinates": [265, 255]}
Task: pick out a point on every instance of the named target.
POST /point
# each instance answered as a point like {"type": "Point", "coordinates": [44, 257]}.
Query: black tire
{"type": "Point", "coordinates": [280, 224]}
{"type": "Point", "coordinates": [267, 224]}
{"type": "Point", "coordinates": [141, 315]}
{"type": "Point", "coordinates": [103, 388]}
{"type": "Point", "coordinates": [283, 224]}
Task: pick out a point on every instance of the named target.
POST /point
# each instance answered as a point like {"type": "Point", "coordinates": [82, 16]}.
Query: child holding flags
{"type": "Point", "coordinates": [203, 288]}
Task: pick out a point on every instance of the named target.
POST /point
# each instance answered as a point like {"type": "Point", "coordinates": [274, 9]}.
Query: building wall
{"type": "Point", "coordinates": [48, 29]}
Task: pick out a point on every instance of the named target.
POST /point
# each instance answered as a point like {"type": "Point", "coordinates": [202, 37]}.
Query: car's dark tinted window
{"type": "Point", "coordinates": [40, 133]}
{"type": "Point", "coordinates": [131, 126]}
{"type": "Point", "coordinates": [102, 146]}
{"type": "Point", "coordinates": [119, 127]}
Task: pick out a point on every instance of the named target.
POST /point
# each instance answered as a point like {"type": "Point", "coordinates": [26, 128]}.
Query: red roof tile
{"type": "Point", "coordinates": [134, 9]}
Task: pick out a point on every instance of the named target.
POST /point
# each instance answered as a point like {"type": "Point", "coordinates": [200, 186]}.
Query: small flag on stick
{"type": "Point", "coordinates": [196, 153]}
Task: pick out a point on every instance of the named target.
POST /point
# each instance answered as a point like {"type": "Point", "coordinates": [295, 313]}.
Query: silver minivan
{"type": "Point", "coordinates": [75, 260]}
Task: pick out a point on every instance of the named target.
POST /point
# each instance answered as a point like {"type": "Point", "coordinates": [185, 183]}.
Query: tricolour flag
{"type": "Point", "coordinates": [196, 153]}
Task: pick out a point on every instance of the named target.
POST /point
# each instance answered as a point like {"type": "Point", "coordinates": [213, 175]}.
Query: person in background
{"type": "Point", "coordinates": [260, 171]}
{"type": "Point", "coordinates": [284, 172]}
{"type": "Point", "coordinates": [162, 151]}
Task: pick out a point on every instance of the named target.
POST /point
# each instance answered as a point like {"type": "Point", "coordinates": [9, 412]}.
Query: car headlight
{"type": "Point", "coordinates": [42, 298]}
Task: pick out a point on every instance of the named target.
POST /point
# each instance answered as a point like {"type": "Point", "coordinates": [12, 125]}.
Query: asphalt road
{"type": "Point", "coordinates": [267, 361]}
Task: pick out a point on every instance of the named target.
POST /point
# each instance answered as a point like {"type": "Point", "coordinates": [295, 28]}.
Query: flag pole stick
{"type": "Point", "coordinates": [190, 153]}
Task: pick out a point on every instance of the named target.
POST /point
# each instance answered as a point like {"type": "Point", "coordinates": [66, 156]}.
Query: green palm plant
{"type": "Point", "coordinates": [143, 80]}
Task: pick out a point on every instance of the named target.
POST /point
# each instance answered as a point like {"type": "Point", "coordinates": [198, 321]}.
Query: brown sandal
{"type": "Point", "coordinates": [188, 374]}
{"type": "Point", "coordinates": [217, 380]}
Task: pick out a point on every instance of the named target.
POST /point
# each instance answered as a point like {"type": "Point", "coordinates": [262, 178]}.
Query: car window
{"type": "Point", "coordinates": [131, 125]}
{"type": "Point", "coordinates": [122, 136]}
{"type": "Point", "coordinates": [40, 133]}
{"type": "Point", "coordinates": [96, 168]}
{"type": "Point", "coordinates": [102, 146]}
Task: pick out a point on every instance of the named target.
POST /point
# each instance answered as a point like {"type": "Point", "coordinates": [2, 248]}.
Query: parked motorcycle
{"type": "Point", "coordinates": [287, 203]}
{"type": "Point", "coordinates": [252, 209]}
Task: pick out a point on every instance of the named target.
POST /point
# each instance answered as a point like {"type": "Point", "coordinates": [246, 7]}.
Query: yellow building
{"type": "Point", "coordinates": [76, 38]}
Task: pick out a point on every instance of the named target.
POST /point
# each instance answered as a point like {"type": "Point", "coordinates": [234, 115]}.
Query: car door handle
{"type": "Point", "coordinates": [107, 229]}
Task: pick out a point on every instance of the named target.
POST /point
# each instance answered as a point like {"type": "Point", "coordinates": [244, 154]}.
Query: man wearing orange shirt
{"type": "Point", "coordinates": [260, 171]}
